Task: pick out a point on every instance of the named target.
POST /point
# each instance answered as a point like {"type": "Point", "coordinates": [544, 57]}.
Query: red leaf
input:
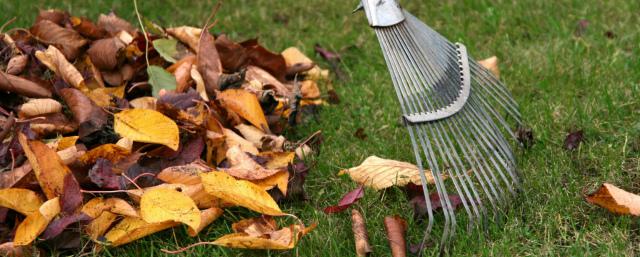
{"type": "Point", "coordinates": [102, 175]}
{"type": "Point", "coordinates": [346, 201]}
{"type": "Point", "coordinates": [57, 226]}
{"type": "Point", "coordinates": [573, 140]}
{"type": "Point", "coordinates": [71, 196]}
{"type": "Point", "coordinates": [265, 59]}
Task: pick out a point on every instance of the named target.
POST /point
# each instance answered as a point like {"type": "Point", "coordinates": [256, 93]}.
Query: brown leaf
{"type": "Point", "coordinates": [22, 86]}
{"type": "Point", "coordinates": [265, 59]}
{"type": "Point", "coordinates": [186, 174]}
{"type": "Point", "coordinates": [9, 250]}
{"type": "Point", "coordinates": [11, 178]}
{"type": "Point", "coordinates": [67, 40]}
{"type": "Point", "coordinates": [57, 226]}
{"type": "Point", "coordinates": [261, 233]}
{"type": "Point", "coordinates": [267, 81]}
{"type": "Point", "coordinates": [114, 24]}
{"type": "Point", "coordinates": [395, 227]}
{"type": "Point", "coordinates": [361, 237]}
{"type": "Point", "coordinates": [87, 28]}
{"type": "Point", "coordinates": [90, 117]}
{"type": "Point", "coordinates": [17, 64]}
{"type": "Point", "coordinates": [615, 200]}
{"type": "Point", "coordinates": [525, 136]}
{"type": "Point", "coordinates": [36, 107]}
{"type": "Point", "coordinates": [573, 140]}
{"type": "Point", "coordinates": [106, 53]}
{"type": "Point", "coordinates": [51, 124]}
{"type": "Point", "coordinates": [111, 152]}
{"type": "Point", "coordinates": [56, 16]}
{"type": "Point", "coordinates": [48, 167]}
{"type": "Point", "coordinates": [209, 64]}
{"type": "Point", "coordinates": [360, 134]}
{"type": "Point", "coordinates": [232, 55]}
{"type": "Point", "coordinates": [309, 89]}
{"type": "Point", "coordinates": [244, 167]}
{"type": "Point", "coordinates": [182, 71]}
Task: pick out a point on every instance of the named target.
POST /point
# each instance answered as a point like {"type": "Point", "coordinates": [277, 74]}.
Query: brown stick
{"type": "Point", "coordinates": [395, 227]}
{"type": "Point", "coordinates": [359, 228]}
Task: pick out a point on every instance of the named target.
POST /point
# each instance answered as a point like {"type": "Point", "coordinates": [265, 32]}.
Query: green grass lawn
{"type": "Point", "coordinates": [561, 81]}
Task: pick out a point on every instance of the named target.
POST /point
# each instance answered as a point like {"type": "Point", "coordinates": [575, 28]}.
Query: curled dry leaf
{"type": "Point", "coordinates": [17, 64]}
{"type": "Point", "coordinates": [36, 107]}
{"type": "Point", "coordinates": [261, 233]}
{"type": "Point", "coordinates": [207, 217]}
{"type": "Point", "coordinates": [209, 65]}
{"type": "Point", "coordinates": [87, 28]}
{"type": "Point", "coordinates": [47, 165]}
{"type": "Point", "coordinates": [379, 173]}
{"type": "Point", "coordinates": [491, 64]}
{"type": "Point", "coordinates": [361, 237]}
{"type": "Point", "coordinates": [131, 229]}
{"type": "Point", "coordinates": [395, 227]}
{"type": "Point", "coordinates": [265, 59]}
{"type": "Point", "coordinates": [56, 16]}
{"type": "Point", "coordinates": [145, 102]}
{"type": "Point", "coordinates": [573, 140]}
{"type": "Point", "coordinates": [111, 152]}
{"type": "Point", "coordinates": [89, 117]}
{"type": "Point", "coordinates": [182, 71]}
{"type": "Point", "coordinates": [266, 81]}
{"type": "Point", "coordinates": [615, 200]}
{"type": "Point", "coordinates": [246, 105]}
{"type": "Point", "coordinates": [239, 192]}
{"type": "Point", "coordinates": [160, 205]}
{"type": "Point", "coordinates": [197, 78]}
{"type": "Point", "coordinates": [36, 222]}
{"type": "Point", "coordinates": [55, 61]}
{"type": "Point", "coordinates": [56, 227]}
{"type": "Point", "coordinates": [22, 86]}
{"type": "Point", "coordinates": [190, 36]}
{"type": "Point", "coordinates": [232, 139]}
{"type": "Point", "coordinates": [114, 24]}
{"type": "Point", "coordinates": [68, 41]}
{"type": "Point", "coordinates": [21, 200]}
{"type": "Point", "coordinates": [186, 174]}
{"type": "Point", "coordinates": [232, 55]}
{"type": "Point", "coordinates": [244, 167]}
{"type": "Point", "coordinates": [147, 126]}
{"type": "Point", "coordinates": [106, 53]}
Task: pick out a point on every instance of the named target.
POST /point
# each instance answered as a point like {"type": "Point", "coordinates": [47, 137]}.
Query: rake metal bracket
{"type": "Point", "coordinates": [455, 106]}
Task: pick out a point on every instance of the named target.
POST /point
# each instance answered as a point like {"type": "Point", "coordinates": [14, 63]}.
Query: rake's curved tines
{"type": "Point", "coordinates": [469, 147]}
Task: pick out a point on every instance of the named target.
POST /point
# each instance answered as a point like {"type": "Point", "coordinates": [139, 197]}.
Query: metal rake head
{"type": "Point", "coordinates": [454, 111]}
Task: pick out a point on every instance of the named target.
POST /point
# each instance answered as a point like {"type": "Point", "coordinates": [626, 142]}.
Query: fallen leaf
{"type": "Point", "coordinates": [86, 113]}
{"type": "Point", "coordinates": [261, 233]}
{"type": "Point", "coordinates": [21, 200]}
{"type": "Point", "coordinates": [525, 136]}
{"type": "Point", "coordinates": [8, 249]}
{"type": "Point", "coordinates": [87, 28]}
{"type": "Point", "coordinates": [491, 64]}
{"type": "Point", "coordinates": [396, 227]}
{"type": "Point", "coordinates": [379, 173]}
{"type": "Point", "coordinates": [36, 107]}
{"type": "Point", "coordinates": [36, 222]}
{"type": "Point", "coordinates": [145, 102]}
{"type": "Point", "coordinates": [131, 229]}
{"type": "Point", "coordinates": [106, 53]}
{"type": "Point", "coordinates": [71, 197]}
{"type": "Point", "coordinates": [167, 48]}
{"type": "Point", "coordinates": [232, 139]}
{"type": "Point", "coordinates": [244, 167]}
{"type": "Point", "coordinates": [114, 24]}
{"type": "Point", "coordinates": [239, 192]}
{"type": "Point", "coordinates": [56, 16]}
{"type": "Point", "coordinates": [160, 205]}
{"type": "Point", "coordinates": [57, 226]}
{"type": "Point", "coordinates": [359, 228]}
{"type": "Point", "coordinates": [47, 165]}
{"type": "Point", "coordinates": [17, 64]}
{"type": "Point", "coordinates": [160, 79]}
{"type": "Point", "coordinates": [22, 86]}
{"type": "Point", "coordinates": [185, 174]}
{"type": "Point", "coordinates": [147, 126]}
{"type": "Point", "coordinates": [246, 105]}
{"type": "Point", "coordinates": [277, 160]}
{"type": "Point", "coordinates": [56, 62]}
{"type": "Point", "coordinates": [573, 140]}
{"type": "Point", "coordinates": [309, 89]}
{"type": "Point", "coordinates": [232, 55]}
{"type": "Point", "coordinates": [360, 134]}
{"type": "Point", "coordinates": [112, 152]}
{"type": "Point", "coordinates": [209, 64]}
{"type": "Point", "coordinates": [581, 28]}
{"type": "Point", "coordinates": [67, 40]}
{"type": "Point", "coordinates": [122, 207]}
{"type": "Point", "coordinates": [265, 59]}
{"type": "Point", "coordinates": [326, 54]}
{"type": "Point", "coordinates": [100, 224]}
{"type": "Point", "coordinates": [346, 201]}
{"type": "Point", "coordinates": [187, 35]}
{"type": "Point", "coordinates": [182, 71]}
{"type": "Point", "coordinates": [207, 217]}
{"type": "Point", "coordinates": [102, 175]}
{"type": "Point", "coordinates": [279, 180]}
{"type": "Point", "coordinates": [67, 142]}
{"type": "Point", "coordinates": [420, 205]}
{"type": "Point", "coordinates": [615, 200]}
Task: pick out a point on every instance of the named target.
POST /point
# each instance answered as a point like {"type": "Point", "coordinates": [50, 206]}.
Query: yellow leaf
{"type": "Point", "coordinates": [244, 104]}
{"type": "Point", "coordinates": [280, 179]}
{"type": "Point", "coordinates": [293, 56]}
{"type": "Point", "coordinates": [122, 207]}
{"type": "Point", "coordinates": [94, 207]}
{"type": "Point", "coordinates": [111, 152]}
{"type": "Point", "coordinates": [55, 61]}
{"type": "Point", "coordinates": [147, 126]}
{"type": "Point", "coordinates": [240, 192]}
{"type": "Point", "coordinates": [233, 139]}
{"type": "Point", "coordinates": [98, 226]}
{"type": "Point", "coordinates": [207, 217]}
{"type": "Point", "coordinates": [47, 165]}
{"type": "Point", "coordinates": [131, 229]}
{"type": "Point", "coordinates": [261, 233]}
{"type": "Point", "coordinates": [21, 200]}
{"type": "Point", "coordinates": [67, 142]}
{"type": "Point", "coordinates": [161, 204]}
{"type": "Point", "coordinates": [491, 64]}
{"type": "Point", "coordinates": [616, 200]}
{"type": "Point", "coordinates": [36, 222]}
{"type": "Point", "coordinates": [379, 173]}
{"type": "Point", "coordinates": [278, 160]}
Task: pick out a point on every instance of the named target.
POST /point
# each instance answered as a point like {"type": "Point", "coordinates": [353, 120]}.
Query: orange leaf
{"type": "Point", "coordinates": [21, 200]}
{"type": "Point", "coordinates": [261, 233]}
{"type": "Point", "coordinates": [36, 222]}
{"type": "Point", "coordinates": [111, 152]}
{"type": "Point", "coordinates": [244, 104]}
{"type": "Point", "coordinates": [616, 200]}
{"type": "Point", "coordinates": [47, 165]}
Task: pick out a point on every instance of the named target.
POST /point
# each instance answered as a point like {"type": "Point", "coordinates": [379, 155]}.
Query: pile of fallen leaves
{"type": "Point", "coordinates": [113, 133]}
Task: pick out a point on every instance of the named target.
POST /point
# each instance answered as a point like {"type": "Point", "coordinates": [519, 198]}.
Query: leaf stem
{"type": "Point", "coordinates": [144, 32]}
